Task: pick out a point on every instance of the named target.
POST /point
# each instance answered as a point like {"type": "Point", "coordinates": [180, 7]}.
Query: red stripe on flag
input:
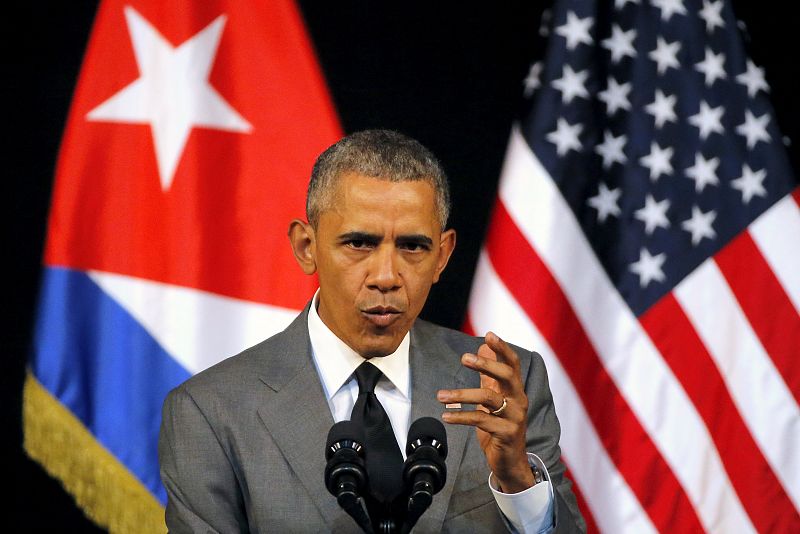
{"type": "Point", "coordinates": [591, 524]}
{"type": "Point", "coordinates": [628, 445]}
{"type": "Point", "coordinates": [468, 327]}
{"type": "Point", "coordinates": [766, 305]}
{"type": "Point", "coordinates": [758, 488]}
{"type": "Point", "coordinates": [796, 195]}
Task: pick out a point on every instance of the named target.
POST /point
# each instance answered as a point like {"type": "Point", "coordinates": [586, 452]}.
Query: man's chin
{"type": "Point", "coordinates": [379, 347]}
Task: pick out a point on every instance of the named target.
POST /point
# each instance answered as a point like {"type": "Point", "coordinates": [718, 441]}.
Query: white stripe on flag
{"type": "Point", "coordinates": [757, 388]}
{"type": "Point", "coordinates": [776, 233]}
{"type": "Point", "coordinates": [642, 377]}
{"type": "Point", "coordinates": [197, 328]}
{"type": "Point", "coordinates": [613, 505]}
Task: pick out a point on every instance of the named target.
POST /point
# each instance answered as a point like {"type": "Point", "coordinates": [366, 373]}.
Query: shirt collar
{"type": "Point", "coordinates": [336, 361]}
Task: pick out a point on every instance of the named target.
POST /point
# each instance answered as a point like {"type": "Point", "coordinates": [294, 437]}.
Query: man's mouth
{"type": "Point", "coordinates": [381, 316]}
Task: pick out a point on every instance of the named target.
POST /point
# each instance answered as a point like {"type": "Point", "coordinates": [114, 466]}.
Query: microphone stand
{"type": "Point", "coordinates": [345, 474]}
{"type": "Point", "coordinates": [386, 517]}
{"type": "Point", "coordinates": [424, 474]}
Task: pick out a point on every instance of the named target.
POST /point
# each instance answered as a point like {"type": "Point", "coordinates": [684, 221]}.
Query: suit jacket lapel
{"type": "Point", "coordinates": [297, 413]}
{"type": "Point", "coordinates": [298, 417]}
{"type": "Point", "coordinates": [435, 366]}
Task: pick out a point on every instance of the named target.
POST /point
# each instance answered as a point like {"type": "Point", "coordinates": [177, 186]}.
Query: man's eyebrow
{"type": "Point", "coordinates": [359, 236]}
{"type": "Point", "coordinates": [419, 239]}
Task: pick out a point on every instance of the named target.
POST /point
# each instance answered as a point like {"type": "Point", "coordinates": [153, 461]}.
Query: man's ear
{"type": "Point", "coordinates": [447, 243]}
{"type": "Point", "coordinates": [301, 236]}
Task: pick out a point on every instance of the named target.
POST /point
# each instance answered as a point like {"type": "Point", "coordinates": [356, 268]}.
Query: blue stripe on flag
{"type": "Point", "coordinates": [92, 355]}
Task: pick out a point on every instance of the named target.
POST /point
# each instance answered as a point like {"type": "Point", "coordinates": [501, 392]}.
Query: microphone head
{"type": "Point", "coordinates": [345, 474]}
{"type": "Point", "coordinates": [427, 431]}
{"type": "Point", "coordinates": [344, 434]}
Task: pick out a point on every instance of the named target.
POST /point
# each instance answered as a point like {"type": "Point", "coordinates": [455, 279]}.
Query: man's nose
{"type": "Point", "coordinates": [384, 274]}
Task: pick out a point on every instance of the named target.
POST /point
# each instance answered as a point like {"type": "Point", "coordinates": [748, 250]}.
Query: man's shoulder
{"type": "Point", "coordinates": [273, 355]}
{"type": "Point", "coordinates": [461, 342]}
{"type": "Point", "coordinates": [426, 331]}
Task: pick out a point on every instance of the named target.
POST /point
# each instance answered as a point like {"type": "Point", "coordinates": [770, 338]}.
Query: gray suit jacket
{"type": "Point", "coordinates": [242, 443]}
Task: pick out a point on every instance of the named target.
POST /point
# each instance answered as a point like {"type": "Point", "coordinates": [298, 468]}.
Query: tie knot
{"type": "Point", "coordinates": [367, 376]}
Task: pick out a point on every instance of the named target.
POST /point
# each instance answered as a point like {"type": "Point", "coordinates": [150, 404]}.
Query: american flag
{"type": "Point", "coordinates": [646, 241]}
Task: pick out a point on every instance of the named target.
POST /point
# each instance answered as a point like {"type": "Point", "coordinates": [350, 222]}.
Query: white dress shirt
{"type": "Point", "coordinates": [529, 511]}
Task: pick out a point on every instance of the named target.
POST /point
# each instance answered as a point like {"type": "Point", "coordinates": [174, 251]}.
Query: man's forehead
{"type": "Point", "coordinates": [353, 183]}
{"type": "Point", "coordinates": [363, 202]}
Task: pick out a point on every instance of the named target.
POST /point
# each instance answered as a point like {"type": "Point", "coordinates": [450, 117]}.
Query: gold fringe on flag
{"type": "Point", "coordinates": [101, 485]}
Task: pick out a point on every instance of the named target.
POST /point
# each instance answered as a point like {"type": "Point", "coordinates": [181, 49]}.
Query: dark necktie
{"type": "Point", "coordinates": [383, 457]}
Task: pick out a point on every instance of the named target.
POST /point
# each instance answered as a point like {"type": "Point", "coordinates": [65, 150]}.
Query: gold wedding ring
{"type": "Point", "coordinates": [501, 408]}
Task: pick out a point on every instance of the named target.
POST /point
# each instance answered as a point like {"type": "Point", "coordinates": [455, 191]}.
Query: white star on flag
{"type": "Point", "coordinates": [565, 136]}
{"type": "Point", "coordinates": [611, 149]}
{"type": "Point", "coordinates": [712, 67]}
{"type": "Point", "coordinates": [649, 267]}
{"type": "Point", "coordinates": [620, 44]}
{"type": "Point", "coordinates": [658, 161]}
{"type": "Point", "coordinates": [615, 95]}
{"type": "Point", "coordinates": [703, 172]}
{"type": "Point", "coordinates": [662, 108]}
{"type": "Point", "coordinates": [576, 30]}
{"type": "Point", "coordinates": [669, 8]}
{"type": "Point", "coordinates": [750, 183]}
{"type": "Point", "coordinates": [708, 120]}
{"type": "Point", "coordinates": [699, 225]}
{"type": "Point", "coordinates": [172, 93]}
{"type": "Point", "coordinates": [619, 4]}
{"type": "Point", "coordinates": [605, 202]}
{"type": "Point", "coordinates": [653, 214]}
{"type": "Point", "coordinates": [544, 24]}
{"type": "Point", "coordinates": [532, 81]}
{"type": "Point", "coordinates": [753, 78]}
{"type": "Point", "coordinates": [571, 84]}
{"type": "Point", "coordinates": [712, 15]}
{"type": "Point", "coordinates": [665, 55]}
{"type": "Point", "coordinates": [754, 128]}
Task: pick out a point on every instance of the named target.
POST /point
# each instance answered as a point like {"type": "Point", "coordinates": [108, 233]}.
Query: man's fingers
{"type": "Point", "coordinates": [487, 398]}
{"type": "Point", "coordinates": [502, 350]}
{"type": "Point", "coordinates": [491, 424]}
{"type": "Point", "coordinates": [506, 376]}
{"type": "Point", "coordinates": [484, 351]}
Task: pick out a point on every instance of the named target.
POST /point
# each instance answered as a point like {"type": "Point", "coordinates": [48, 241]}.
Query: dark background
{"type": "Point", "coordinates": [447, 73]}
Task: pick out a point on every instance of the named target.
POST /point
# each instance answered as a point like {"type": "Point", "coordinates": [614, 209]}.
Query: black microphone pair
{"type": "Point", "coordinates": [424, 472]}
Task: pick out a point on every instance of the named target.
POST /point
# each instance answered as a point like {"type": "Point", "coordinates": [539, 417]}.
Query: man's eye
{"type": "Point", "coordinates": [413, 247]}
{"type": "Point", "coordinates": [357, 243]}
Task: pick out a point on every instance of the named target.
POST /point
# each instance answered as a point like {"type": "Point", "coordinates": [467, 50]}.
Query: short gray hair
{"type": "Point", "coordinates": [382, 154]}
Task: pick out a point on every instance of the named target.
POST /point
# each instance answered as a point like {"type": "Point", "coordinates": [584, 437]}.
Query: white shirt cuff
{"type": "Point", "coordinates": [530, 511]}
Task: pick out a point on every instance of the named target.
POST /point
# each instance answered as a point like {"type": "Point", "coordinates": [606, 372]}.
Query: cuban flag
{"type": "Point", "coordinates": [187, 151]}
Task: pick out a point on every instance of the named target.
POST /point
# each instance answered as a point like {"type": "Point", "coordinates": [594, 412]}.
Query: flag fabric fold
{"type": "Point", "coordinates": [188, 147]}
{"type": "Point", "coordinates": [644, 240]}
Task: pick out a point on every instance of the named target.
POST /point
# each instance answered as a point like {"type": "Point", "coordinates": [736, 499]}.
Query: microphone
{"type": "Point", "coordinates": [345, 474]}
{"type": "Point", "coordinates": [424, 471]}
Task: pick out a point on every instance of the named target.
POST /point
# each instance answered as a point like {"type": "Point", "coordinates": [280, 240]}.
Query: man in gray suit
{"type": "Point", "coordinates": [242, 443]}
